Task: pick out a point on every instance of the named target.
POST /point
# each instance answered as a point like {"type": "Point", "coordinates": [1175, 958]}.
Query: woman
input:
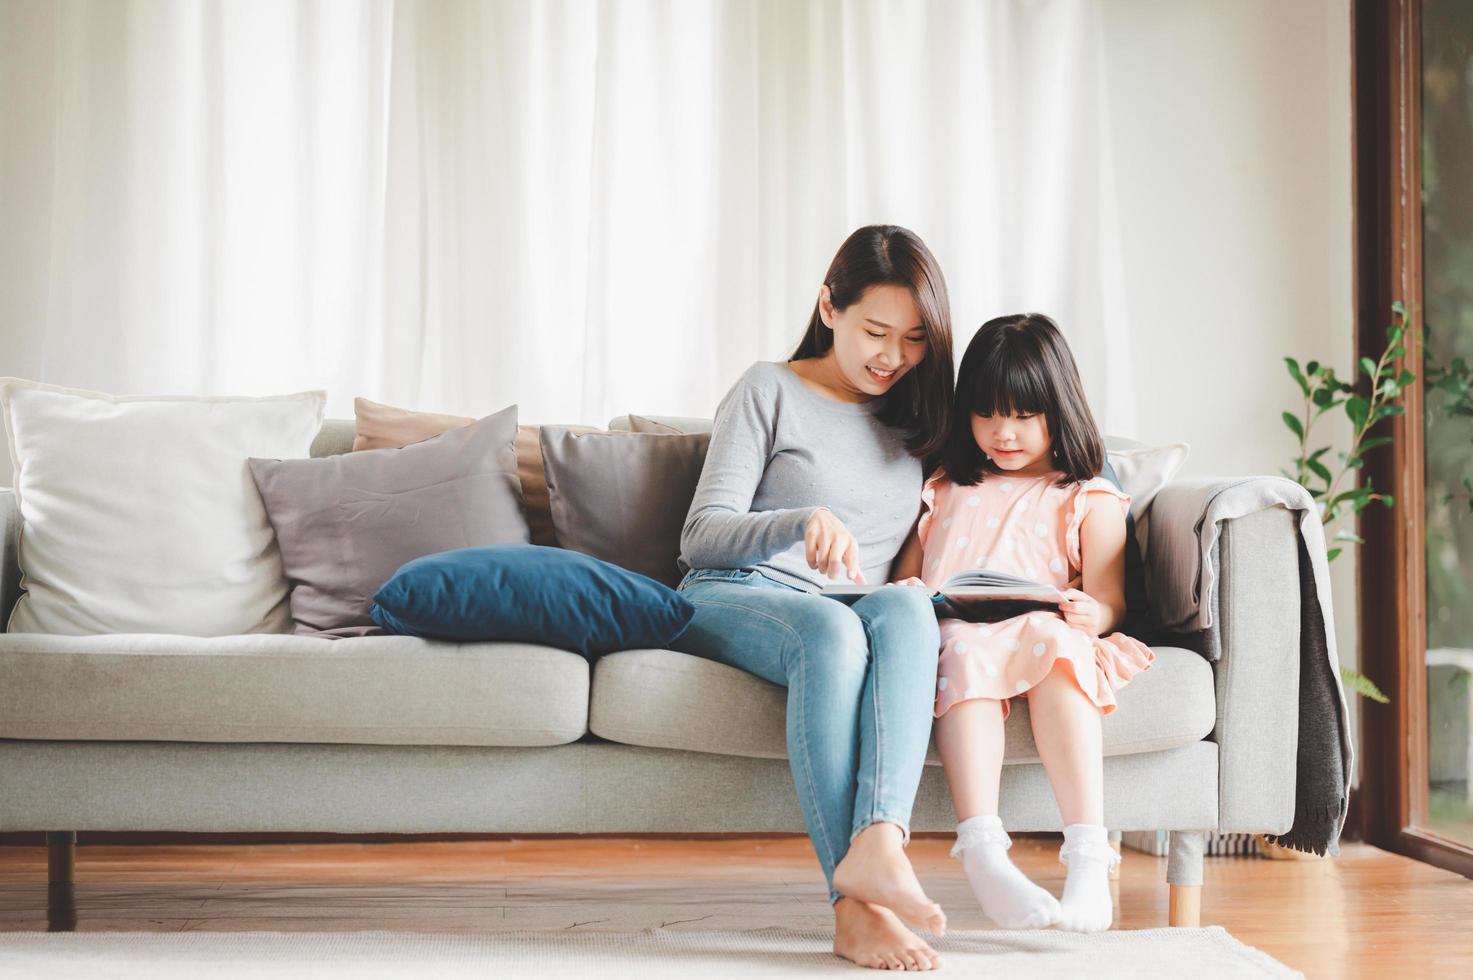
{"type": "Point", "coordinates": [812, 477]}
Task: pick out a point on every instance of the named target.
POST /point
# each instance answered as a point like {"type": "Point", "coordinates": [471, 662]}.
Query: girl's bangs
{"type": "Point", "coordinates": [1008, 385]}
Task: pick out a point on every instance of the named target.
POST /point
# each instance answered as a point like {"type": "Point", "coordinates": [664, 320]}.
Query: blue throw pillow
{"type": "Point", "coordinates": [533, 594]}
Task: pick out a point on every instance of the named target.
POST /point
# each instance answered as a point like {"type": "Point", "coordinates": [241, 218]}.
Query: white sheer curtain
{"type": "Point", "coordinates": [583, 207]}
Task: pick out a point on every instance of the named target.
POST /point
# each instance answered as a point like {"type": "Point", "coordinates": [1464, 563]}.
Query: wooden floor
{"type": "Point", "coordinates": [1364, 914]}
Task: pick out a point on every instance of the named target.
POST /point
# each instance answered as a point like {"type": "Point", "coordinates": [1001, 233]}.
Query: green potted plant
{"type": "Point", "coordinates": [1323, 391]}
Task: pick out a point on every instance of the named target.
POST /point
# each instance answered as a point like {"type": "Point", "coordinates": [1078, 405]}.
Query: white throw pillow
{"type": "Point", "coordinates": [1143, 470]}
{"type": "Point", "coordinates": [139, 514]}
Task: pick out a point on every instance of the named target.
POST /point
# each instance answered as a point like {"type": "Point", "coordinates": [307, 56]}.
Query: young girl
{"type": "Point", "coordinates": [1018, 491]}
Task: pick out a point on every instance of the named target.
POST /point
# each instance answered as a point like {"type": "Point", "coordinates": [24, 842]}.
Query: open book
{"type": "Point", "coordinates": [978, 595]}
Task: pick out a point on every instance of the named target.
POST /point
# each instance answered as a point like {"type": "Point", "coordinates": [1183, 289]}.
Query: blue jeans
{"type": "Point", "coordinates": [861, 683]}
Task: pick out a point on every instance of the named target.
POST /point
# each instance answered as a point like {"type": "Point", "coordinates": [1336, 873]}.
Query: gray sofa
{"type": "Point", "coordinates": [400, 735]}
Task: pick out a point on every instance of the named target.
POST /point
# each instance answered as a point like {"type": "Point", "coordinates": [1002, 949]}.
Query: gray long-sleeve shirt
{"type": "Point", "coordinates": [779, 451]}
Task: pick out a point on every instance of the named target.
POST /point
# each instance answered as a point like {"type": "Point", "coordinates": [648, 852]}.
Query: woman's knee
{"type": "Point", "coordinates": [830, 636]}
{"type": "Point", "coordinates": [902, 613]}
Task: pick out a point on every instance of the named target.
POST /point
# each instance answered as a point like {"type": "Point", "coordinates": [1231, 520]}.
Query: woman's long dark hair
{"type": "Point", "coordinates": [1021, 363]}
{"type": "Point", "coordinates": [920, 403]}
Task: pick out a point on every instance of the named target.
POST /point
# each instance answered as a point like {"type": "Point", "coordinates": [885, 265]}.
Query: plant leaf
{"type": "Point", "coordinates": [1352, 495]}
{"type": "Point", "coordinates": [1451, 385]}
{"type": "Point", "coordinates": [1362, 685]}
{"type": "Point", "coordinates": [1292, 421]}
{"type": "Point", "coordinates": [1358, 409]}
{"type": "Point", "coordinates": [1332, 554]}
{"type": "Point", "coordinates": [1369, 366]}
{"type": "Point", "coordinates": [1296, 375]}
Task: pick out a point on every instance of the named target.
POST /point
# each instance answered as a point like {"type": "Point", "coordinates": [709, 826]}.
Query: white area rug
{"type": "Point", "coordinates": [1201, 954]}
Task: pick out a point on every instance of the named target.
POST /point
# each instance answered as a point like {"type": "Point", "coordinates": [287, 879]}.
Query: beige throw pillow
{"type": "Point", "coordinates": [386, 427]}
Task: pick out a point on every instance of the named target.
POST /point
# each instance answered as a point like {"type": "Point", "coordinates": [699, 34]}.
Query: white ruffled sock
{"type": "Point", "coordinates": [1006, 895]}
{"type": "Point", "coordinates": [1086, 906]}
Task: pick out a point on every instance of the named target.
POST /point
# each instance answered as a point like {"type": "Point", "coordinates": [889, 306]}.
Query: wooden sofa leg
{"type": "Point", "coordinates": [61, 862]}
{"type": "Point", "coordinates": [1186, 906]}
{"type": "Point", "coordinates": [1184, 875]}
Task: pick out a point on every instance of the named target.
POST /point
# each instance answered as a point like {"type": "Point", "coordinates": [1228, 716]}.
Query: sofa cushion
{"type": "Point", "coordinates": [378, 690]}
{"type": "Point", "coordinates": [347, 523]}
{"type": "Point", "coordinates": [139, 513]}
{"type": "Point", "coordinates": [663, 699]}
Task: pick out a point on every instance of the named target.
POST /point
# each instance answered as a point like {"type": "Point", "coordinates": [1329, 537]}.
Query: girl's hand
{"type": "Point", "coordinates": [1083, 612]}
{"type": "Point", "coordinates": [830, 547]}
{"type": "Point", "coordinates": [918, 583]}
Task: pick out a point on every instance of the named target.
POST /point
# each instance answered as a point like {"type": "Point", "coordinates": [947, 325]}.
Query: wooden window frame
{"type": "Point", "coordinates": [1392, 586]}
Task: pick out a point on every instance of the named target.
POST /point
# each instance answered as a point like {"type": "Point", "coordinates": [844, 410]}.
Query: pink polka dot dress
{"type": "Point", "coordinates": [1025, 526]}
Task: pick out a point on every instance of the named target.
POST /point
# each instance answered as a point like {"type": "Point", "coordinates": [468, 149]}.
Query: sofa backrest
{"type": "Point", "coordinates": [334, 438]}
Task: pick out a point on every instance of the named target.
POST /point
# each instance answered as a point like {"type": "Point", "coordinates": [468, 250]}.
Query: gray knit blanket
{"type": "Point", "coordinates": [1326, 755]}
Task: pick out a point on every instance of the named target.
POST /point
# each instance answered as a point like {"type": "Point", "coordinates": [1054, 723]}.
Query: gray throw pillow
{"type": "Point", "coordinates": [346, 523]}
{"type": "Point", "coordinates": [622, 497]}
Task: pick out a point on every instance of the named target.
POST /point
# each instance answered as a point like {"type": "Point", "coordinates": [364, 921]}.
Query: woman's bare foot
{"type": "Point", "coordinates": [877, 871]}
{"type": "Point", "coordinates": [871, 935]}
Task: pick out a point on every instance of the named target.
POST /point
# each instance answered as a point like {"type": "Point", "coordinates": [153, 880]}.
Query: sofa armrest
{"type": "Point", "coordinates": [9, 554]}
{"type": "Point", "coordinates": [1257, 674]}
{"type": "Point", "coordinates": [1253, 642]}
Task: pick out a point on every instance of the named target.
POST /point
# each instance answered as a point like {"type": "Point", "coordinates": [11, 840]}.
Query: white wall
{"type": "Point", "coordinates": [1233, 161]}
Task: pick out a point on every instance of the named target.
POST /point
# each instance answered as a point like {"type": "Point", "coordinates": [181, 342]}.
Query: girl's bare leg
{"type": "Point", "coordinates": [970, 739]}
{"type": "Point", "coordinates": [1066, 728]}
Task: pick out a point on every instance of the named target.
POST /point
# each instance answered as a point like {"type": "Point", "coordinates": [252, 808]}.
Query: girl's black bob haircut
{"type": "Point", "coordinates": [1021, 364]}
